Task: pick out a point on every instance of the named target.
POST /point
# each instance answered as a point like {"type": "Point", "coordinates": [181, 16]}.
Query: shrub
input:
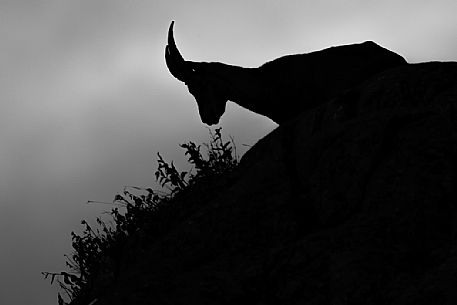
{"type": "Point", "coordinates": [98, 253]}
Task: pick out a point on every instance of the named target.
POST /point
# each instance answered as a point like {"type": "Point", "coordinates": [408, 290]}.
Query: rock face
{"type": "Point", "coordinates": [351, 203]}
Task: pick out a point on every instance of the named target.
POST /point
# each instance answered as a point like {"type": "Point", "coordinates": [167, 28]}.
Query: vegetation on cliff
{"type": "Point", "coordinates": [98, 252]}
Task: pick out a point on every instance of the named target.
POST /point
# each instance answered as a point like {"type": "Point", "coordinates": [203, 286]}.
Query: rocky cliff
{"type": "Point", "coordinates": [351, 203]}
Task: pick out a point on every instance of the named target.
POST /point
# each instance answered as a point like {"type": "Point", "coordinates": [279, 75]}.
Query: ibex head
{"type": "Point", "coordinates": [200, 78]}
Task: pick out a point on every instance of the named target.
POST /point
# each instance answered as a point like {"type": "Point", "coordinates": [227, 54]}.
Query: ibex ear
{"type": "Point", "coordinates": [214, 74]}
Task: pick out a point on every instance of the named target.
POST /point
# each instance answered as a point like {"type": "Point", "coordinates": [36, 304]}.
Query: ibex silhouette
{"type": "Point", "coordinates": [283, 88]}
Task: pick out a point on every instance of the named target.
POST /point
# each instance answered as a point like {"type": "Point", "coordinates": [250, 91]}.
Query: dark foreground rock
{"type": "Point", "coordinates": [352, 203]}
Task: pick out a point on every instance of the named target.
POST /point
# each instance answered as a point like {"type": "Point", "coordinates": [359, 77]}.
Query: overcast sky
{"type": "Point", "coordinates": [86, 99]}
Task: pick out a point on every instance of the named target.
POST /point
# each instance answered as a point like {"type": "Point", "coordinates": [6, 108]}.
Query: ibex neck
{"type": "Point", "coordinates": [244, 87]}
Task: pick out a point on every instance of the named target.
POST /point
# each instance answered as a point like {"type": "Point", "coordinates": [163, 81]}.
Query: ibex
{"type": "Point", "coordinates": [283, 88]}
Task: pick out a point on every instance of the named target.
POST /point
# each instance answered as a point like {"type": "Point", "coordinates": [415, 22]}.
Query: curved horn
{"type": "Point", "coordinates": [175, 62]}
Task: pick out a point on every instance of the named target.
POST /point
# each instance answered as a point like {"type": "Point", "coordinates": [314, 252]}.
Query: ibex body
{"type": "Point", "coordinates": [283, 88]}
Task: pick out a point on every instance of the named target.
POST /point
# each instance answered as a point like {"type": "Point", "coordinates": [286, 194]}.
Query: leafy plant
{"type": "Point", "coordinates": [222, 156]}
{"type": "Point", "coordinates": [99, 253]}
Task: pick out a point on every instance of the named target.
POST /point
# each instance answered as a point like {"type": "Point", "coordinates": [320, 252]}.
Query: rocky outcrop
{"type": "Point", "coordinates": [351, 203]}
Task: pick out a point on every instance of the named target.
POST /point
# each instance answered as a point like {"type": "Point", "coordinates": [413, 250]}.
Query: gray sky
{"type": "Point", "coordinates": [86, 100]}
